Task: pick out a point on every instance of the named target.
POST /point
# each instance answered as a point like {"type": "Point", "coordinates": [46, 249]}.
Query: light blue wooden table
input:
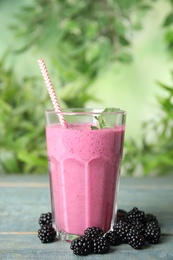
{"type": "Point", "coordinates": [24, 198]}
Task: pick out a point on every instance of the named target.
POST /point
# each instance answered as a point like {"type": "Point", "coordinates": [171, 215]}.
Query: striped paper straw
{"type": "Point", "coordinates": [51, 92]}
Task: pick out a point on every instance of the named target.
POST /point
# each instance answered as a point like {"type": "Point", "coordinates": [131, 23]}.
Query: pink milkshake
{"type": "Point", "coordinates": [84, 168]}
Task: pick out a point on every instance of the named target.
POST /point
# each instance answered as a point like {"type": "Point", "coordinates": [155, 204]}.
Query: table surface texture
{"type": "Point", "coordinates": [24, 197]}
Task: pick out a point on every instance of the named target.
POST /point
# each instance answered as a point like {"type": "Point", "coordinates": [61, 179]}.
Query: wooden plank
{"type": "Point", "coordinates": [28, 247]}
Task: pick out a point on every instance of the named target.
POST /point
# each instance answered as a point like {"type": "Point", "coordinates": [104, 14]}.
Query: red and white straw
{"type": "Point", "coordinates": [51, 92]}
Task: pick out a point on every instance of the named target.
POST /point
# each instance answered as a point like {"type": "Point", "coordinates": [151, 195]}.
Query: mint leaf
{"type": "Point", "coordinates": [106, 120]}
{"type": "Point", "coordinates": [94, 127]}
{"type": "Point", "coordinates": [100, 121]}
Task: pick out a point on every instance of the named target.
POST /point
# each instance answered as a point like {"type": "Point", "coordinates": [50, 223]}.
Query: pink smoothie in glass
{"type": "Point", "coordinates": [84, 169]}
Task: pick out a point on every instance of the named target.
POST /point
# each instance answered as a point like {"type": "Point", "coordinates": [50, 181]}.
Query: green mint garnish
{"type": "Point", "coordinates": [106, 120]}
{"type": "Point", "coordinates": [94, 127]}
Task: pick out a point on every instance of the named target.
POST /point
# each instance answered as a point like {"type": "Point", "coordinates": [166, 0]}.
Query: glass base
{"type": "Point", "coordinates": [64, 236]}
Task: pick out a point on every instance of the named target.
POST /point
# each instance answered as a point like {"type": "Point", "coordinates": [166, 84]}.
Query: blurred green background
{"type": "Point", "coordinates": [102, 53]}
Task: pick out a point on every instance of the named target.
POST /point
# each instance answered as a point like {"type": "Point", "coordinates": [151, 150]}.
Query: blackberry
{"type": "Point", "coordinates": [135, 215]}
{"type": "Point", "coordinates": [45, 219]}
{"type": "Point", "coordinates": [93, 232]}
{"type": "Point", "coordinates": [122, 228]}
{"type": "Point", "coordinates": [101, 245]}
{"type": "Point", "coordinates": [139, 226]}
{"type": "Point", "coordinates": [113, 238]}
{"type": "Point", "coordinates": [135, 239]}
{"type": "Point", "coordinates": [81, 245]}
{"type": "Point", "coordinates": [152, 232]}
{"type": "Point", "coordinates": [121, 214]}
{"type": "Point", "coordinates": [150, 217]}
{"type": "Point", "coordinates": [46, 234]}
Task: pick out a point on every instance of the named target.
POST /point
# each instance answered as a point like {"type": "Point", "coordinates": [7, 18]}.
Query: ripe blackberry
{"type": "Point", "coordinates": [100, 245]}
{"type": "Point", "coordinates": [139, 226]}
{"type": "Point", "coordinates": [135, 239]}
{"type": "Point", "coordinates": [152, 232]}
{"type": "Point", "coordinates": [122, 228]}
{"type": "Point", "coordinates": [81, 245]}
{"type": "Point", "coordinates": [93, 232]}
{"type": "Point", "coordinates": [135, 215]}
{"type": "Point", "coordinates": [150, 217]}
{"type": "Point", "coordinates": [45, 219]}
{"type": "Point", "coordinates": [121, 214]}
{"type": "Point", "coordinates": [113, 238]}
{"type": "Point", "coordinates": [46, 234]}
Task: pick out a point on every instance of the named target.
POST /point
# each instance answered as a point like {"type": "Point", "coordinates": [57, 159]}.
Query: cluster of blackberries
{"type": "Point", "coordinates": [133, 227]}
{"type": "Point", "coordinates": [46, 233]}
{"type": "Point", "coordinates": [92, 241]}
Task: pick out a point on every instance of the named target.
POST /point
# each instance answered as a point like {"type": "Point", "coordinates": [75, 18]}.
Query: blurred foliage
{"type": "Point", "coordinates": [168, 29]}
{"type": "Point", "coordinates": [22, 124]}
{"type": "Point", "coordinates": [82, 39]}
{"type": "Point", "coordinates": [155, 154]}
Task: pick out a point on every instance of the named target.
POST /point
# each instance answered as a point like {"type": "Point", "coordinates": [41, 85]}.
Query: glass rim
{"type": "Point", "coordinates": [83, 111]}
